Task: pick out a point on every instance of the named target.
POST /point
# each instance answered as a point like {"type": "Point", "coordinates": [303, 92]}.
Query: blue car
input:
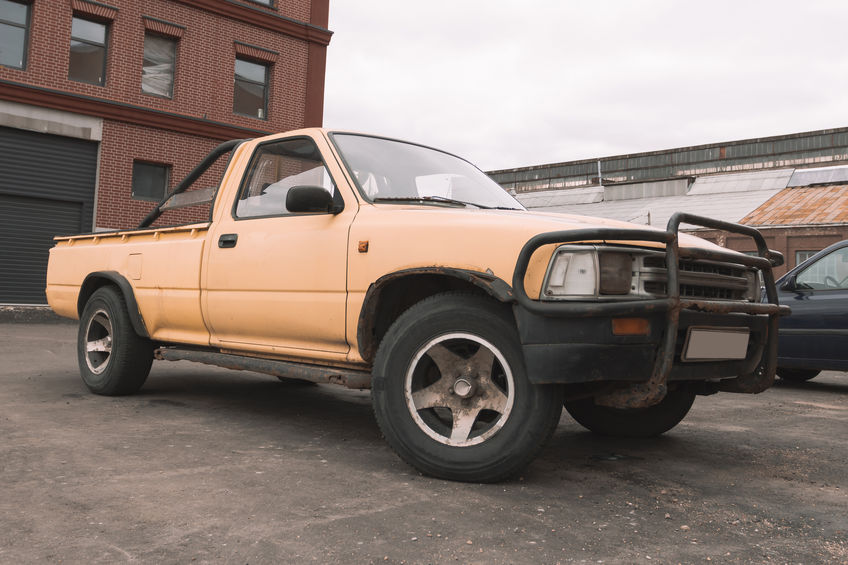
{"type": "Point", "coordinates": [815, 336]}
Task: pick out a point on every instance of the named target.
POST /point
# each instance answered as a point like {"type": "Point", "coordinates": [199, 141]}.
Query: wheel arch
{"type": "Point", "coordinates": [106, 278]}
{"type": "Point", "coordinates": [390, 295]}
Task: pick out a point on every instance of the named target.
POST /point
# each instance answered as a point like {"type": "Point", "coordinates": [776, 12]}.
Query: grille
{"type": "Point", "coordinates": [708, 280]}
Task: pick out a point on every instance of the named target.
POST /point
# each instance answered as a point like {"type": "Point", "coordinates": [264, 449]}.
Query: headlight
{"type": "Point", "coordinates": [578, 272]}
{"type": "Point", "coordinates": [616, 273]}
{"type": "Point", "coordinates": [572, 273]}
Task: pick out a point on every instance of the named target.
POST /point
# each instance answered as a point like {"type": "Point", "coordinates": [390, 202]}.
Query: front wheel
{"type": "Point", "coordinates": [634, 422]}
{"type": "Point", "coordinates": [451, 395]}
{"type": "Point", "coordinates": [113, 359]}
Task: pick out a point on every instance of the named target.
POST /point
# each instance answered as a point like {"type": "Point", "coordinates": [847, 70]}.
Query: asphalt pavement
{"type": "Point", "coordinates": [208, 465]}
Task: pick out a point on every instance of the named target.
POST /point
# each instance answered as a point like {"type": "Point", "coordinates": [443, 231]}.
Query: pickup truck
{"type": "Point", "coordinates": [369, 262]}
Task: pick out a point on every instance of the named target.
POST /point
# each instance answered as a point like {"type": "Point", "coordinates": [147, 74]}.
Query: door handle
{"type": "Point", "coordinates": [227, 240]}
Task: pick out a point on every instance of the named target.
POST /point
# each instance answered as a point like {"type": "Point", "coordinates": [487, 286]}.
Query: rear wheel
{"type": "Point", "coordinates": [796, 375]}
{"type": "Point", "coordinates": [637, 422]}
{"type": "Point", "coordinates": [451, 395]}
{"type": "Point", "coordinates": [113, 359]}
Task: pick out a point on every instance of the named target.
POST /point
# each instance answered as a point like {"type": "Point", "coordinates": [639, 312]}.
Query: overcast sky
{"type": "Point", "coordinates": [510, 83]}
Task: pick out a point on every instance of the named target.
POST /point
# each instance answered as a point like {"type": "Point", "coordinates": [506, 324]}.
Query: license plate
{"type": "Point", "coordinates": [715, 344]}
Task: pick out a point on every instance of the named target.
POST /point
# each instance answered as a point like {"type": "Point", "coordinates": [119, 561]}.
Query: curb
{"type": "Point", "coordinates": [31, 315]}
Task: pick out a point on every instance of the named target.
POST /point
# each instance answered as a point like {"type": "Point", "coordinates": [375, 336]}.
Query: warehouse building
{"type": "Point", "coordinates": [793, 188]}
{"type": "Point", "coordinates": [105, 106]}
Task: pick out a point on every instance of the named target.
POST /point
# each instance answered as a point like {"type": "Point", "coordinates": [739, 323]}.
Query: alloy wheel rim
{"type": "Point", "coordinates": [459, 389]}
{"type": "Point", "coordinates": [98, 342]}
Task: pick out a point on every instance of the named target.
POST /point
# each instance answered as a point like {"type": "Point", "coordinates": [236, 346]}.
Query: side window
{"type": "Point", "coordinates": [88, 51]}
{"type": "Point", "coordinates": [250, 89]}
{"type": "Point", "coordinates": [150, 181]}
{"type": "Point", "coordinates": [829, 272]}
{"type": "Point", "coordinates": [157, 70]}
{"type": "Point", "coordinates": [14, 28]}
{"type": "Point", "coordinates": [276, 168]}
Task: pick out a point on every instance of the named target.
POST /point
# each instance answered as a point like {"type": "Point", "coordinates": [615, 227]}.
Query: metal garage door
{"type": "Point", "coordinates": [46, 188]}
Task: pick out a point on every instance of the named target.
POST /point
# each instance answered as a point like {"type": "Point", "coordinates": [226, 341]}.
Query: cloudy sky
{"type": "Point", "coordinates": [510, 83]}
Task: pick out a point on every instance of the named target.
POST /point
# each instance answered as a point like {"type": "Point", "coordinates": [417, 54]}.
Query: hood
{"type": "Point", "coordinates": [526, 223]}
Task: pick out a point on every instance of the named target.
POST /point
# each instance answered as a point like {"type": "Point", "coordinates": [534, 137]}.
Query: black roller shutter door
{"type": "Point", "coordinates": [46, 188]}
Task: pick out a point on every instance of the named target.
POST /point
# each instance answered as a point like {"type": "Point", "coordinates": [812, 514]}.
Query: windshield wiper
{"type": "Point", "coordinates": [422, 199]}
{"type": "Point", "coordinates": [440, 199]}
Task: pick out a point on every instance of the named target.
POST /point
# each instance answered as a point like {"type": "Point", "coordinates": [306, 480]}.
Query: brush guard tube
{"type": "Point", "coordinates": [652, 391]}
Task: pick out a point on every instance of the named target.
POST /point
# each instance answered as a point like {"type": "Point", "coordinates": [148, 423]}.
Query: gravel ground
{"type": "Point", "coordinates": [207, 465]}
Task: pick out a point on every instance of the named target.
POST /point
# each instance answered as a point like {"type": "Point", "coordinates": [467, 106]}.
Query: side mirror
{"type": "Point", "coordinates": [311, 199]}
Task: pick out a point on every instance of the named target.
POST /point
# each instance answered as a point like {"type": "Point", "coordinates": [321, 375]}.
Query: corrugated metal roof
{"type": "Point", "coordinates": [824, 147]}
{"type": "Point", "coordinates": [731, 207]}
{"type": "Point", "coordinates": [674, 187]}
{"type": "Point", "coordinates": [819, 175]}
{"type": "Point", "coordinates": [772, 179]}
{"type": "Point", "coordinates": [802, 206]}
{"type": "Point", "coordinates": [562, 197]}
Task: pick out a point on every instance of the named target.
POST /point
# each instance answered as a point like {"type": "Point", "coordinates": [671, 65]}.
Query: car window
{"type": "Point", "coordinates": [828, 273]}
{"type": "Point", "coordinates": [276, 168]}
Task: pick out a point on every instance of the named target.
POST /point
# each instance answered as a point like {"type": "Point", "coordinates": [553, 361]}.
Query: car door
{"type": "Point", "coordinates": [275, 281]}
{"type": "Point", "coordinates": [817, 330]}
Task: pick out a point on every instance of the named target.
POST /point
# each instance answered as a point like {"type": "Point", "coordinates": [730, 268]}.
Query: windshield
{"type": "Point", "coordinates": [386, 170]}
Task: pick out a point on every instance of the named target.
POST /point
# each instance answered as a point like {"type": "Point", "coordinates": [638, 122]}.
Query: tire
{"type": "Point", "coordinates": [641, 422]}
{"type": "Point", "coordinates": [113, 359]}
{"type": "Point", "coordinates": [796, 375]}
{"type": "Point", "coordinates": [451, 395]}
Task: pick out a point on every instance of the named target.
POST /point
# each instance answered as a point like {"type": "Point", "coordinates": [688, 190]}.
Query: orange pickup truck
{"type": "Point", "coordinates": [343, 258]}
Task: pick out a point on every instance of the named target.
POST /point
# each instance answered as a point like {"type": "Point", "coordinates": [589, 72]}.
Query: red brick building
{"type": "Point", "coordinates": [105, 106]}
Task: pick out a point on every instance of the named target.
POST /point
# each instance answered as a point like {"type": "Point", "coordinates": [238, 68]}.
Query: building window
{"type": "Point", "coordinates": [88, 52]}
{"type": "Point", "coordinates": [801, 256]}
{"type": "Point", "coordinates": [14, 28]}
{"type": "Point", "coordinates": [150, 181]}
{"type": "Point", "coordinates": [157, 71]}
{"type": "Point", "coordinates": [250, 94]}
{"type": "Point", "coordinates": [269, 3]}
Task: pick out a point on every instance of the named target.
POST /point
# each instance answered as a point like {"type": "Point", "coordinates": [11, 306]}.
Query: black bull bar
{"type": "Point", "coordinates": [654, 390]}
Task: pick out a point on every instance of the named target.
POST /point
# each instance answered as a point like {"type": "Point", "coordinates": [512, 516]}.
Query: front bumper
{"type": "Point", "coordinates": [572, 342]}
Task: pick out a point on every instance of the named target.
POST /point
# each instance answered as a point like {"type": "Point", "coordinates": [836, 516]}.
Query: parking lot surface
{"type": "Point", "coordinates": [207, 465]}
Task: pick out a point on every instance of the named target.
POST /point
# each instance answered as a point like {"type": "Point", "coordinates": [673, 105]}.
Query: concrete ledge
{"type": "Point", "coordinates": [31, 314]}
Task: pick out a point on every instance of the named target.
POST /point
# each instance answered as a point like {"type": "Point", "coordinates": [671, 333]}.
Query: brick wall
{"type": "Point", "coordinates": [123, 143]}
{"type": "Point", "coordinates": [203, 85]}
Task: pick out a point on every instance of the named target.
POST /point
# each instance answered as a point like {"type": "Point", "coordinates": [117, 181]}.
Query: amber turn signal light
{"type": "Point", "coordinates": [631, 326]}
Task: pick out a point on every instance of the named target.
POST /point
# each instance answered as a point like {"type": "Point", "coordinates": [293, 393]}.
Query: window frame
{"type": "Point", "coordinates": [26, 27]}
{"type": "Point", "coordinates": [338, 199]}
{"type": "Point", "coordinates": [266, 85]}
{"type": "Point", "coordinates": [270, 3]}
{"type": "Point", "coordinates": [175, 41]}
{"type": "Point", "coordinates": [106, 25]}
{"type": "Point", "coordinates": [168, 174]}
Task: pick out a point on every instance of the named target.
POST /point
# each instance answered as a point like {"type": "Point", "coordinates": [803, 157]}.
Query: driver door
{"type": "Point", "coordinates": [275, 281]}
